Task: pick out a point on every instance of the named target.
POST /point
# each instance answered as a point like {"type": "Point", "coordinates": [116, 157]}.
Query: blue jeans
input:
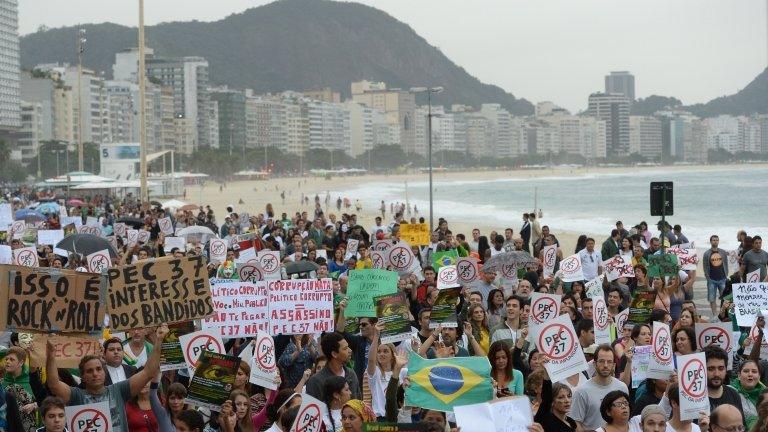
{"type": "Point", "coordinates": [715, 289]}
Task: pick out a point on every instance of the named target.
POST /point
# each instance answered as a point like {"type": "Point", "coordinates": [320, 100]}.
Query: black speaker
{"type": "Point", "coordinates": [661, 199]}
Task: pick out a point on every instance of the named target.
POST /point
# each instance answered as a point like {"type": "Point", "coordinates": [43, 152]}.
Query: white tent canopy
{"type": "Point", "coordinates": [112, 185]}
{"type": "Point", "coordinates": [173, 204]}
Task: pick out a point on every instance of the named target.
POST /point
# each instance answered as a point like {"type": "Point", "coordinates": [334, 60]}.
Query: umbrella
{"type": "Point", "coordinates": [75, 202]}
{"type": "Point", "coordinates": [48, 208]}
{"type": "Point", "coordinates": [174, 204]}
{"type": "Point", "coordinates": [29, 215]}
{"type": "Point", "coordinates": [188, 207]}
{"type": "Point", "coordinates": [86, 244]}
{"type": "Point", "coordinates": [510, 261]}
{"type": "Point", "coordinates": [132, 221]}
{"type": "Point", "coordinates": [300, 267]}
{"type": "Point", "coordinates": [195, 230]}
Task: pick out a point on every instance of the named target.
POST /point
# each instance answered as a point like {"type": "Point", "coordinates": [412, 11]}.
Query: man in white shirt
{"type": "Point", "coordinates": [475, 237]}
{"type": "Point", "coordinates": [378, 227]}
{"type": "Point", "coordinates": [113, 357]}
{"type": "Point", "coordinates": [591, 260]}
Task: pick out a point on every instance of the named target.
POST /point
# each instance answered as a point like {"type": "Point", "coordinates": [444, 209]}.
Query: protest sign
{"type": "Point", "coordinates": [246, 255]}
{"type": "Point", "coordinates": [466, 269]}
{"type": "Point", "coordinates": [686, 257]}
{"type": "Point", "coordinates": [640, 360]}
{"type": "Point", "coordinates": [142, 237]}
{"type": "Point", "coordinates": [193, 344]}
{"type": "Point", "coordinates": [120, 229]}
{"type": "Point", "coordinates": [594, 287]}
{"type": "Point", "coordinates": [378, 260]}
{"type": "Point", "coordinates": [250, 271]}
{"type": "Point", "coordinates": [718, 334]}
{"type": "Point", "coordinates": [509, 414]}
{"type": "Point", "coordinates": [382, 245]}
{"type": "Point", "coordinates": [641, 306]}
{"type": "Point", "coordinates": [241, 308]}
{"type": "Point", "coordinates": [68, 350]}
{"type": "Point", "coordinates": [601, 320]}
{"type": "Point", "coordinates": [17, 229]}
{"type": "Point", "coordinates": [88, 229]}
{"type": "Point", "coordinates": [363, 286]}
{"type": "Point", "coordinates": [692, 378]}
{"type": "Point", "coordinates": [753, 276]}
{"type": "Point", "coordinates": [352, 245]}
{"type": "Point", "coordinates": [50, 237]}
{"type": "Point", "coordinates": [311, 415]}
{"type": "Point", "coordinates": [164, 290]}
{"type": "Point", "coordinates": [617, 267]}
{"type": "Point", "coordinates": [660, 364]}
{"type": "Point", "coordinates": [92, 417]}
{"type": "Point", "coordinates": [91, 221]}
{"type": "Point", "coordinates": [175, 242]}
{"type": "Point", "coordinates": [132, 237]}
{"type": "Point", "coordinates": [270, 264]}
{"type": "Point", "coordinates": [25, 257]}
{"type": "Point", "coordinates": [557, 339]}
{"type": "Point", "coordinates": [754, 337]}
{"type": "Point", "coordinates": [748, 299]}
{"type": "Point", "coordinates": [511, 260]}
{"type": "Point", "coordinates": [6, 256]}
{"type": "Point", "coordinates": [444, 310]}
{"type": "Point", "coordinates": [733, 260]}
{"type": "Point", "coordinates": [447, 277]}
{"type": "Point", "coordinates": [662, 265]}
{"type": "Point", "coordinates": [392, 311]}
{"type": "Point", "coordinates": [264, 364]}
{"type": "Point", "coordinates": [6, 214]}
{"type": "Point", "coordinates": [549, 254]}
{"type": "Point", "coordinates": [393, 427]}
{"type": "Point", "coordinates": [401, 259]}
{"type": "Point", "coordinates": [99, 261]}
{"type": "Point", "coordinates": [46, 300]}
{"type": "Point", "coordinates": [165, 225]}
{"type": "Point", "coordinates": [621, 319]}
{"type": "Point", "coordinates": [570, 269]}
{"type": "Point", "coordinates": [217, 251]}
{"type": "Point", "coordinates": [172, 355]}
{"type": "Point", "coordinates": [213, 379]}
{"type": "Point", "coordinates": [299, 306]}
{"type": "Point", "coordinates": [415, 234]}
{"type": "Point", "coordinates": [544, 307]}
{"type": "Point", "coordinates": [68, 229]}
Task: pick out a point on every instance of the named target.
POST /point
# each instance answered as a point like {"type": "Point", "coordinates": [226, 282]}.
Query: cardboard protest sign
{"type": "Point", "coordinates": [270, 264]}
{"type": "Point", "coordinates": [69, 350]}
{"type": "Point", "coordinates": [447, 277]}
{"type": "Point", "coordinates": [640, 362]}
{"type": "Point", "coordinates": [686, 257]}
{"type": "Point", "coordinates": [549, 254]}
{"type": "Point", "coordinates": [352, 245]}
{"type": "Point", "coordinates": [171, 351]}
{"type": "Point", "coordinates": [25, 257]}
{"type": "Point", "coordinates": [594, 287]}
{"type": "Point", "coordinates": [241, 308]}
{"type": "Point", "coordinates": [392, 311]}
{"type": "Point", "coordinates": [692, 378]}
{"type": "Point", "coordinates": [509, 414]}
{"type": "Point", "coordinates": [311, 415]}
{"type": "Point", "coordinates": [99, 261]}
{"type": "Point", "coordinates": [92, 417]}
{"type": "Point", "coordinates": [544, 307]}
{"type": "Point", "coordinates": [570, 269]}
{"type": "Point", "coordinates": [213, 379]}
{"type": "Point", "coordinates": [50, 237]}
{"type": "Point", "coordinates": [753, 276]}
{"type": "Point", "coordinates": [617, 267]}
{"type": "Point", "coordinates": [444, 310]}
{"type": "Point", "coordinates": [662, 265]}
{"type": "Point", "coordinates": [193, 344]}
{"type": "Point", "coordinates": [164, 290]}
{"type": "Point", "coordinates": [299, 306]}
{"type": "Point", "coordinates": [558, 340]}
{"type": "Point", "coordinates": [660, 364]}
{"type": "Point", "coordinates": [165, 225]}
{"type": "Point", "coordinates": [641, 306]}
{"type": "Point", "coordinates": [363, 286]}
{"type": "Point", "coordinates": [250, 271]}
{"type": "Point", "coordinates": [415, 234]}
{"type": "Point", "coordinates": [601, 320]}
{"type": "Point", "coordinates": [467, 271]}
{"type": "Point", "coordinates": [217, 251]}
{"type": "Point", "coordinates": [748, 299]}
{"type": "Point", "coordinates": [43, 299]}
{"type": "Point", "coordinates": [264, 363]}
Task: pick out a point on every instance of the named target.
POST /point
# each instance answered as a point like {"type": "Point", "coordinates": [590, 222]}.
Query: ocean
{"type": "Point", "coordinates": [705, 202]}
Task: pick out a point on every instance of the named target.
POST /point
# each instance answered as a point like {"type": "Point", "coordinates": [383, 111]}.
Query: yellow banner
{"type": "Point", "coordinates": [415, 234]}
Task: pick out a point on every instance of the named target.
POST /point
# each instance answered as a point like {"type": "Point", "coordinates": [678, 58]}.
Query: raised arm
{"type": "Point", "coordinates": [428, 343]}
{"type": "Point", "coordinates": [477, 350]}
{"type": "Point", "coordinates": [152, 367]}
{"type": "Point", "coordinates": [57, 387]}
{"type": "Point", "coordinates": [377, 328]}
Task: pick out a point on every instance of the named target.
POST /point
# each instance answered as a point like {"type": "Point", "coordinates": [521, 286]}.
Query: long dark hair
{"type": "Point", "coordinates": [581, 243]}
{"type": "Point", "coordinates": [495, 348]}
{"type": "Point", "coordinates": [482, 246]}
{"type": "Point", "coordinates": [332, 385]}
{"type": "Point", "coordinates": [491, 307]}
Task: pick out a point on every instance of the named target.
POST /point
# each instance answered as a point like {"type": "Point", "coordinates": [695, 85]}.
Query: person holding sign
{"type": "Point", "coordinates": [93, 377]}
{"type": "Point", "coordinates": [749, 387]}
{"type": "Point", "coordinates": [673, 395]}
{"type": "Point", "coordinates": [587, 409]}
{"type": "Point", "coordinates": [381, 362]}
{"type": "Point", "coordinates": [717, 370]}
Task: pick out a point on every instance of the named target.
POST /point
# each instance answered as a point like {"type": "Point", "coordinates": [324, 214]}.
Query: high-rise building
{"type": "Point", "coordinates": [723, 132]}
{"type": "Point", "coordinates": [127, 64]}
{"type": "Point", "coordinates": [39, 89]}
{"type": "Point", "coordinates": [324, 95]}
{"type": "Point", "coordinates": [613, 109]}
{"type": "Point", "coordinates": [479, 135]}
{"type": "Point", "coordinates": [504, 138]}
{"type": "Point", "coordinates": [328, 126]}
{"type": "Point", "coordinates": [31, 131]}
{"type": "Point", "coordinates": [621, 82]}
{"type": "Point", "coordinates": [10, 98]}
{"type": "Point", "coordinates": [232, 123]}
{"type": "Point", "coordinates": [398, 105]}
{"type": "Point", "coordinates": [645, 136]}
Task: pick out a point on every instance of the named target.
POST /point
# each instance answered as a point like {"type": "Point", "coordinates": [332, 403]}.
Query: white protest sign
{"type": "Point", "coordinates": [321, 253]}
{"type": "Point", "coordinates": [352, 245]}
{"type": "Point", "coordinates": [217, 251]}
{"type": "Point", "coordinates": [270, 263]}
{"type": "Point", "coordinates": [17, 229]}
{"type": "Point", "coordinates": [247, 353]}
{"type": "Point", "coordinates": [92, 221]}
{"type": "Point", "coordinates": [733, 261]}
{"type": "Point", "coordinates": [467, 270]}
{"type": "Point", "coordinates": [402, 260]}
{"type": "Point", "coordinates": [754, 337]}
{"type": "Point", "coordinates": [241, 308]}
{"type": "Point", "coordinates": [50, 237]}
{"type": "Point", "coordinates": [25, 257]}
{"type": "Point", "coordinates": [6, 257]}
{"type": "Point", "coordinates": [142, 236]}
{"type": "Point", "coordinates": [99, 261]}
{"type": "Point", "coordinates": [311, 415]}
{"type": "Point", "coordinates": [686, 257]}
{"type": "Point", "coordinates": [570, 269]}
{"type": "Point", "coordinates": [601, 320]}
{"type": "Point", "coordinates": [192, 344]}
{"type": "Point", "coordinates": [544, 307]}
{"type": "Point", "coordinates": [660, 364]}
{"type": "Point", "coordinates": [299, 306]}
{"type": "Point", "coordinates": [618, 267]}
{"type": "Point", "coordinates": [692, 378]}
{"type": "Point", "coordinates": [640, 360]}
{"type": "Point", "coordinates": [264, 364]}
{"type": "Point", "coordinates": [6, 214]}
{"type": "Point", "coordinates": [250, 271]}
{"type": "Point", "coordinates": [753, 276]}
{"type": "Point", "coordinates": [549, 255]}
{"type": "Point", "coordinates": [558, 340]}
{"type": "Point", "coordinates": [447, 277]}
{"type": "Point", "coordinates": [509, 414]}
{"type": "Point", "coordinates": [718, 334]}
{"type": "Point", "coordinates": [175, 242]}
{"type": "Point", "coordinates": [92, 417]}
{"type": "Point", "coordinates": [89, 229]}
{"type": "Point", "coordinates": [621, 319]}
{"type": "Point", "coordinates": [132, 236]}
{"type": "Point", "coordinates": [594, 287]}
{"type": "Point", "coordinates": [748, 299]}
{"type": "Point", "coordinates": [165, 225]}
{"type": "Point", "coordinates": [120, 229]}
{"type": "Point", "coordinates": [246, 255]}
{"type": "Point", "coordinates": [379, 260]}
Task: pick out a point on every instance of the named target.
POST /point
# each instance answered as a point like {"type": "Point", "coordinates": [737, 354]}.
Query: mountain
{"type": "Point", "coordinates": [653, 103]}
{"type": "Point", "coordinates": [286, 45]}
{"type": "Point", "coordinates": [751, 99]}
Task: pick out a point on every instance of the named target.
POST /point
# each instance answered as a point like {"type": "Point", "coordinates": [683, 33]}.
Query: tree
{"type": "Point", "coordinates": [12, 171]}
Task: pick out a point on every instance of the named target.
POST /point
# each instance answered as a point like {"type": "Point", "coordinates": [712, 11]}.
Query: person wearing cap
{"type": "Point", "coordinates": [651, 419]}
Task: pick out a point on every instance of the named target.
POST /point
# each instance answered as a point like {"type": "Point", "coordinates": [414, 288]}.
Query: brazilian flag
{"type": "Point", "coordinates": [444, 258]}
{"type": "Point", "coordinates": [441, 384]}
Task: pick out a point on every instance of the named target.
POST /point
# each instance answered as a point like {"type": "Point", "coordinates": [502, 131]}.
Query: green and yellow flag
{"type": "Point", "coordinates": [441, 384]}
{"type": "Point", "coordinates": [444, 258]}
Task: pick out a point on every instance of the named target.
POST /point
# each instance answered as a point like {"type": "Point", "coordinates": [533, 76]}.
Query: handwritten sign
{"type": "Point", "coordinates": [166, 290]}
{"type": "Point", "coordinates": [686, 257]}
{"type": "Point", "coordinates": [270, 264]}
{"type": "Point", "coordinates": [640, 364]}
{"type": "Point", "coordinates": [69, 350]}
{"type": "Point", "coordinates": [617, 267]}
{"type": "Point", "coordinates": [544, 307]}
{"type": "Point", "coordinates": [241, 308]}
{"type": "Point", "coordinates": [549, 255]}
{"type": "Point", "coordinates": [50, 237]}
{"type": "Point", "coordinates": [594, 287]}
{"type": "Point", "coordinates": [120, 229]}
{"type": "Point", "coordinates": [748, 299]}
{"type": "Point", "coordinates": [299, 306]}
{"type": "Point", "coordinates": [311, 415]}
{"type": "Point", "coordinates": [217, 251]}
{"type": "Point", "coordinates": [415, 234]}
{"type": "Point", "coordinates": [363, 286]}
{"type": "Point", "coordinates": [447, 277]}
{"type": "Point", "coordinates": [662, 265]}
{"type": "Point", "coordinates": [571, 270]}
{"type": "Point", "coordinates": [25, 257]}
{"type": "Point", "coordinates": [99, 261]}
{"type": "Point", "coordinates": [660, 364]}
{"type": "Point", "coordinates": [753, 276]}
{"type": "Point", "coordinates": [601, 320]}
{"type": "Point", "coordinates": [165, 225]}
{"type": "Point", "coordinates": [352, 245]}
{"type": "Point", "coordinates": [467, 270]}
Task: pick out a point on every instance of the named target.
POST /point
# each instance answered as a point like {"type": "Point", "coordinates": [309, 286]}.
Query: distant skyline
{"type": "Point", "coordinates": [555, 50]}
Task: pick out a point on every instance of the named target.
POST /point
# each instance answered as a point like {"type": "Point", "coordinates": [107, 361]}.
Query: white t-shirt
{"type": "Point", "coordinates": [336, 425]}
{"type": "Point", "coordinates": [117, 374]}
{"type": "Point", "coordinates": [378, 385]}
{"type": "Point", "coordinates": [635, 426]}
{"type": "Point", "coordinates": [590, 262]}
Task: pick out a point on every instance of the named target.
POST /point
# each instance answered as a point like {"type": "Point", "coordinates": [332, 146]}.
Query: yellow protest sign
{"type": "Point", "coordinates": [415, 234]}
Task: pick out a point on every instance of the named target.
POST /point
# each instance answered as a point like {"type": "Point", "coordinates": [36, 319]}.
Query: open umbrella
{"type": "Point", "coordinates": [189, 207]}
{"type": "Point", "coordinates": [75, 202]}
{"type": "Point", "coordinates": [29, 215]}
{"type": "Point", "coordinates": [173, 204]}
{"type": "Point", "coordinates": [86, 244]}
{"type": "Point", "coordinates": [131, 221]}
{"type": "Point", "coordinates": [195, 230]}
{"type": "Point", "coordinates": [300, 267]}
{"type": "Point", "coordinates": [48, 208]}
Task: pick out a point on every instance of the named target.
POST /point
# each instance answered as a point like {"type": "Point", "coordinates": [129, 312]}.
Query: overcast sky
{"type": "Point", "coordinates": [557, 50]}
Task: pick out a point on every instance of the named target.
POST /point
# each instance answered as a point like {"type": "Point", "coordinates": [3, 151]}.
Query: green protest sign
{"type": "Point", "coordinates": [662, 265]}
{"type": "Point", "coordinates": [213, 379]}
{"type": "Point", "coordinates": [392, 310]}
{"type": "Point", "coordinates": [641, 307]}
{"type": "Point", "coordinates": [444, 309]}
{"type": "Point", "coordinates": [172, 358]}
{"type": "Point", "coordinates": [363, 286]}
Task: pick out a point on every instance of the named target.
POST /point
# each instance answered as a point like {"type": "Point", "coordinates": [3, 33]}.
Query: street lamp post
{"type": "Point", "coordinates": [142, 72]}
{"type": "Point", "coordinates": [429, 91]}
{"type": "Point", "coordinates": [80, 111]}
